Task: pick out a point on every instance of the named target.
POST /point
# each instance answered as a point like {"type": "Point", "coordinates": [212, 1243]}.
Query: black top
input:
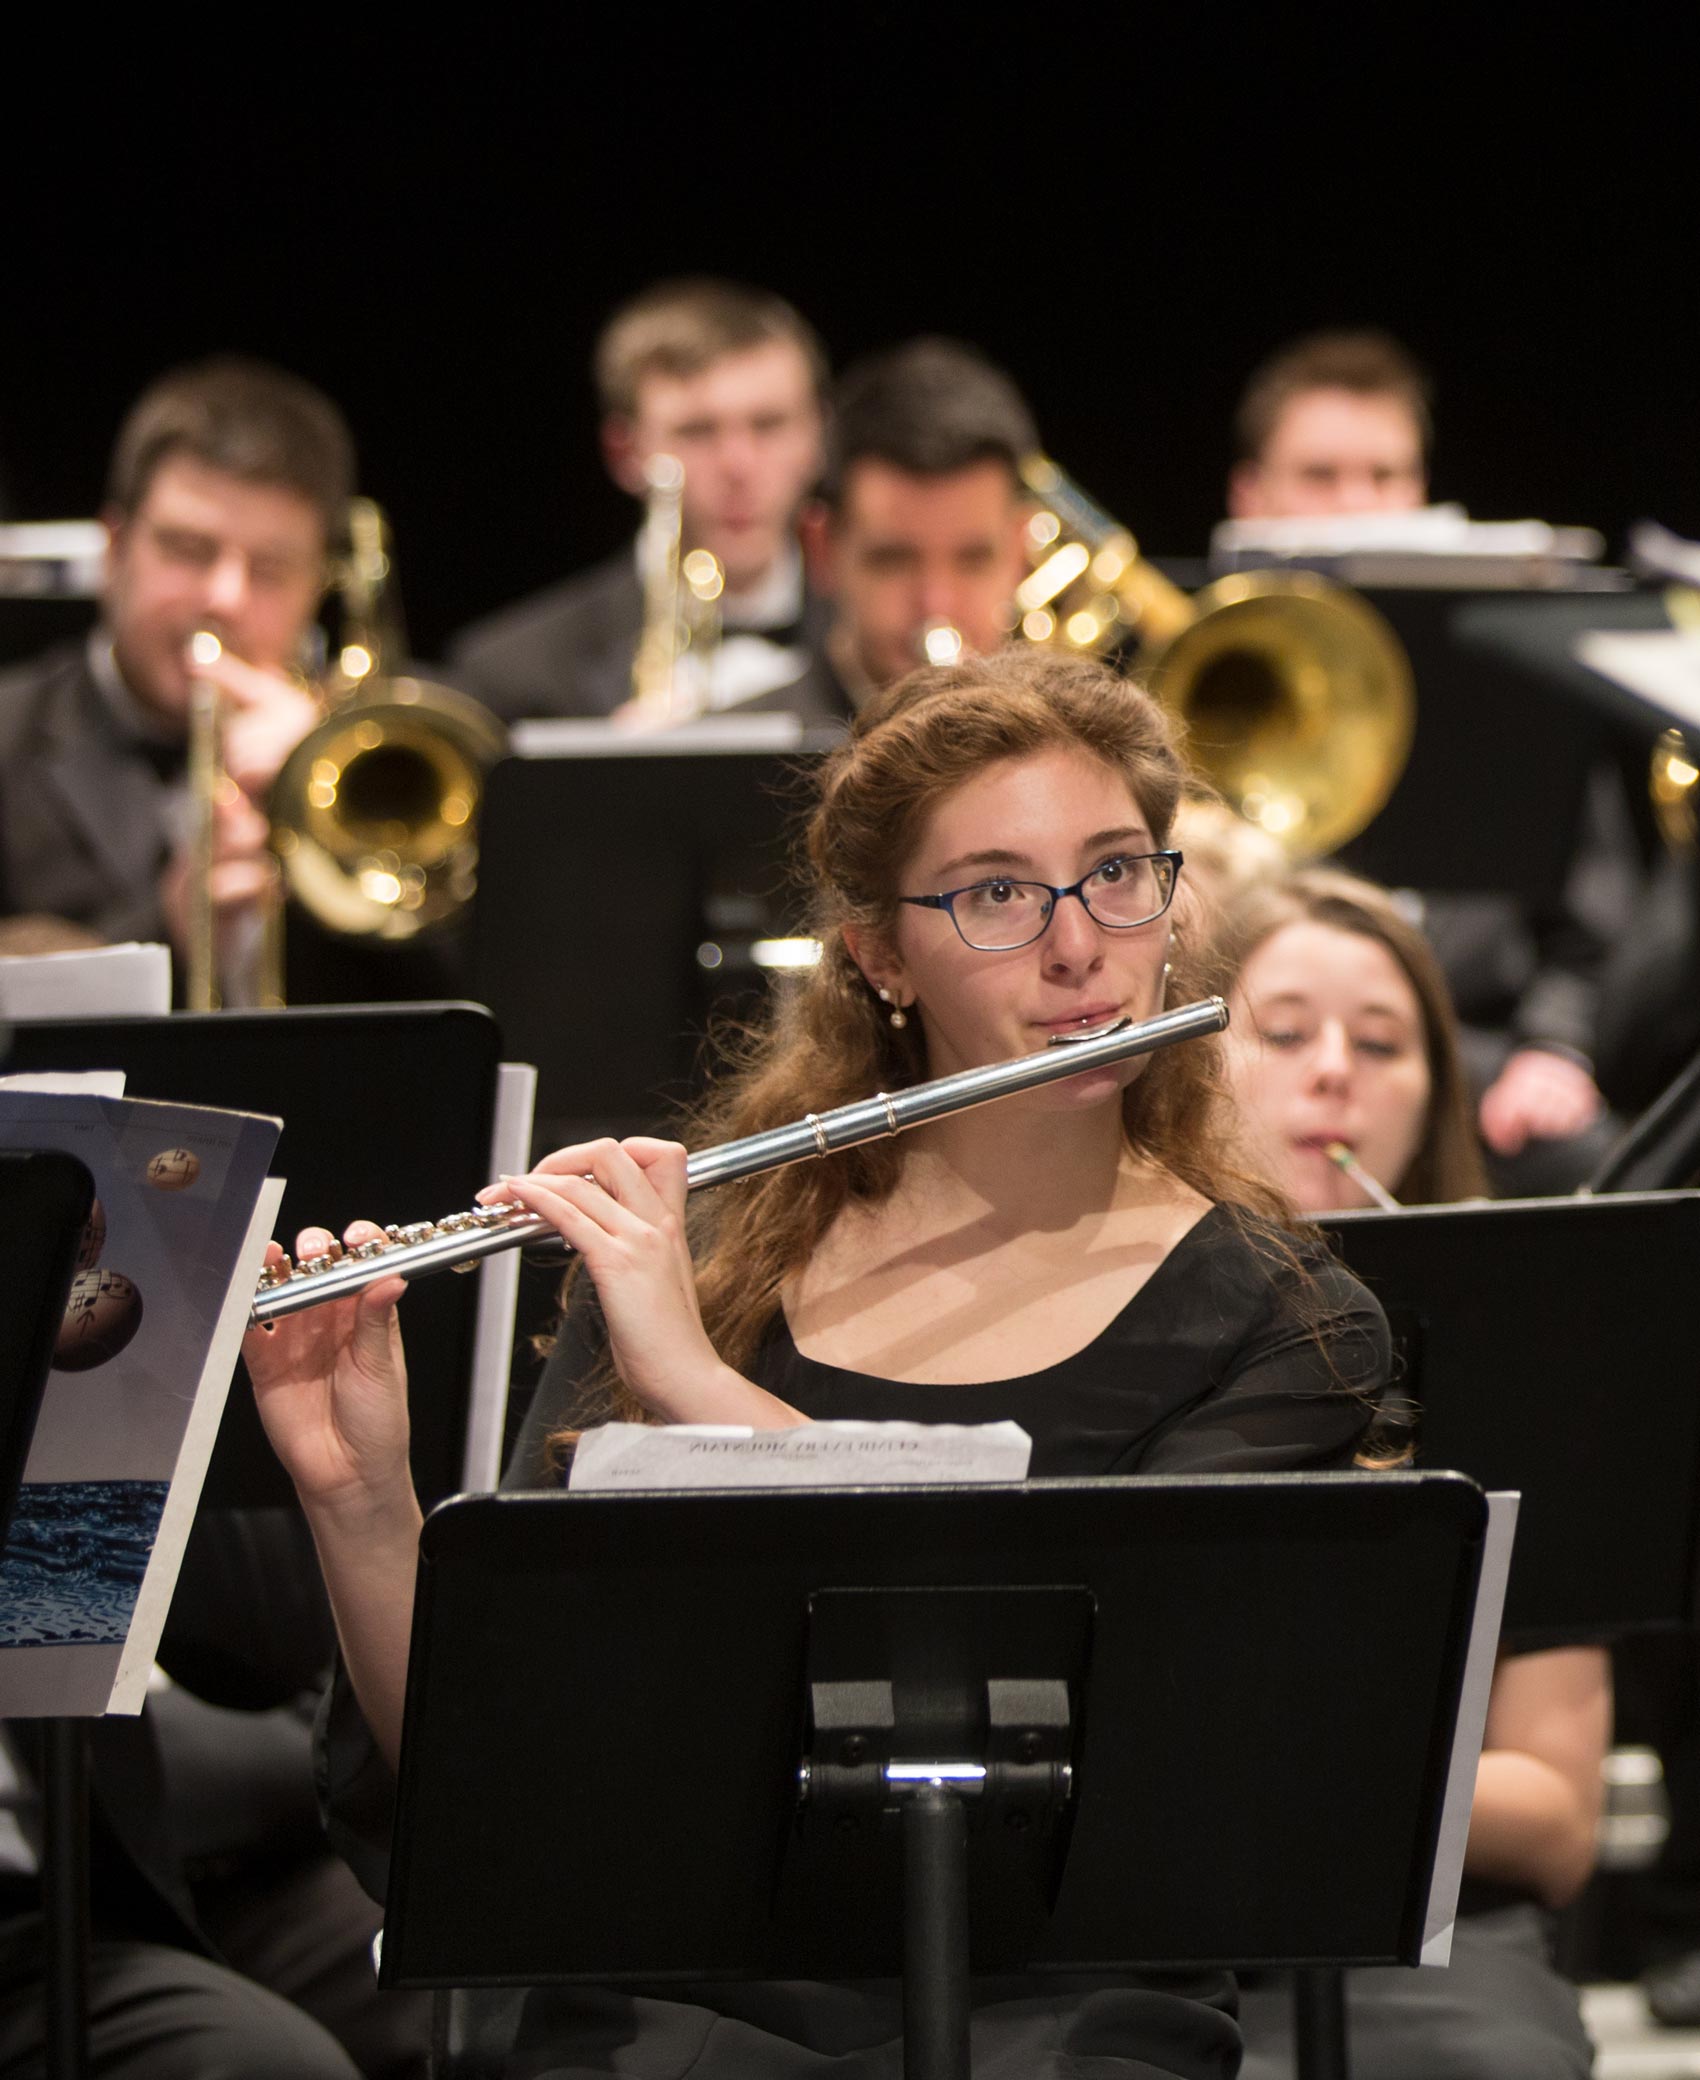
{"type": "Point", "coordinates": [1229, 1359]}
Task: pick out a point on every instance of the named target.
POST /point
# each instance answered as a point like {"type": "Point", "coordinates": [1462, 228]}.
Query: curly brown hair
{"type": "Point", "coordinates": [829, 1041]}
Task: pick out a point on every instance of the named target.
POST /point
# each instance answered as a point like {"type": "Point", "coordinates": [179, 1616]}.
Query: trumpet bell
{"type": "Point", "coordinates": [1297, 700]}
{"type": "Point", "coordinates": [375, 812]}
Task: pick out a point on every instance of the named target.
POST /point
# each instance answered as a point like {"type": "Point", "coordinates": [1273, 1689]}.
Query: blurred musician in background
{"type": "Point", "coordinates": [229, 1939]}
{"type": "Point", "coordinates": [1339, 423]}
{"type": "Point", "coordinates": [920, 525]}
{"type": "Point", "coordinates": [1342, 1035]}
{"type": "Point", "coordinates": [728, 381]}
{"type": "Point", "coordinates": [1336, 423]}
{"type": "Point", "coordinates": [228, 485]}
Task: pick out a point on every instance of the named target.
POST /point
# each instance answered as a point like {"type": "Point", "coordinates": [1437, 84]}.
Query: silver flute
{"type": "Point", "coordinates": [458, 1241]}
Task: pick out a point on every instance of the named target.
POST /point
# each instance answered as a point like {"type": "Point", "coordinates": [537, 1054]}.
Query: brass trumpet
{"type": "Point", "coordinates": [458, 1241]}
{"type": "Point", "coordinates": [206, 989]}
{"type": "Point", "coordinates": [681, 606]}
{"type": "Point", "coordinates": [1296, 694]}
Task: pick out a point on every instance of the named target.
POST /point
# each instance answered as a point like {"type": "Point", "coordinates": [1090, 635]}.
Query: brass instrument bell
{"type": "Point", "coordinates": [375, 812]}
{"type": "Point", "coordinates": [1296, 695]}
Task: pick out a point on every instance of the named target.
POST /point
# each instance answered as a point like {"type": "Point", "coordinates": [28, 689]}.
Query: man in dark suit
{"type": "Point", "coordinates": [727, 381]}
{"type": "Point", "coordinates": [229, 482]}
{"type": "Point", "coordinates": [227, 1937]}
{"type": "Point", "coordinates": [919, 536]}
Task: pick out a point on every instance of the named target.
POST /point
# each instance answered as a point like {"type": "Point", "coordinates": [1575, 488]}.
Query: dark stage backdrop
{"type": "Point", "coordinates": [1127, 213]}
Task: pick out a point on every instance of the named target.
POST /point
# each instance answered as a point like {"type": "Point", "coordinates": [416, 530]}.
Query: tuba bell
{"type": "Point", "coordinates": [375, 812]}
{"type": "Point", "coordinates": [1295, 694]}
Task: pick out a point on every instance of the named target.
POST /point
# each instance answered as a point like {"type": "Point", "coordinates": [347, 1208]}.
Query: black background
{"type": "Point", "coordinates": [1126, 209]}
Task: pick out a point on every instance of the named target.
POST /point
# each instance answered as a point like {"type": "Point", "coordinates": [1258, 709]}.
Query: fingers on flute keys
{"type": "Point", "coordinates": [313, 1243]}
{"type": "Point", "coordinates": [620, 1187]}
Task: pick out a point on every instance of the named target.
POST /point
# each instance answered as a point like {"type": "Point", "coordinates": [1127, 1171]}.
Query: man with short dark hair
{"type": "Point", "coordinates": [921, 526]}
{"type": "Point", "coordinates": [1338, 422]}
{"type": "Point", "coordinates": [228, 489]}
{"type": "Point", "coordinates": [727, 381]}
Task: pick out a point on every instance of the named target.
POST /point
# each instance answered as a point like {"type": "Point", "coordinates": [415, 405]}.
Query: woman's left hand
{"type": "Point", "coordinates": [621, 1206]}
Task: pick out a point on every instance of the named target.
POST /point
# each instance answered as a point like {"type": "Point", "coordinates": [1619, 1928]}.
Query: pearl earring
{"type": "Point", "coordinates": [899, 1017]}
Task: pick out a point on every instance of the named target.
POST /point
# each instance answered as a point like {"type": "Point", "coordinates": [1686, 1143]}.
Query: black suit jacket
{"type": "Point", "coordinates": [568, 651]}
{"type": "Point", "coordinates": [82, 812]}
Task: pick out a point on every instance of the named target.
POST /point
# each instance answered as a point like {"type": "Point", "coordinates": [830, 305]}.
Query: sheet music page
{"type": "Point", "coordinates": [628, 1456]}
{"type": "Point", "coordinates": [573, 736]}
{"type": "Point", "coordinates": [1661, 665]}
{"type": "Point", "coordinates": [498, 1287]}
{"type": "Point", "coordinates": [1442, 1910]}
{"type": "Point", "coordinates": [126, 1423]}
{"type": "Point", "coordinates": [153, 1603]}
{"type": "Point", "coordinates": [129, 981]}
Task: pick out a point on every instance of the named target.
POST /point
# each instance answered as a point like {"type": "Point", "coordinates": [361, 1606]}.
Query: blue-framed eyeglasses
{"type": "Point", "coordinates": [995, 916]}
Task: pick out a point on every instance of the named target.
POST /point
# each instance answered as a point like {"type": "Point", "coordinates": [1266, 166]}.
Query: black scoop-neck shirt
{"type": "Point", "coordinates": [1245, 1351]}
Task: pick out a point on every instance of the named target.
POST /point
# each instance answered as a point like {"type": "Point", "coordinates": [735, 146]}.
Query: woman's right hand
{"type": "Point", "coordinates": [331, 1386]}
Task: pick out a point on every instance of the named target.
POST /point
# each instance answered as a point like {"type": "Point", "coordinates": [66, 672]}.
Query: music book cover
{"type": "Point", "coordinates": [143, 1361]}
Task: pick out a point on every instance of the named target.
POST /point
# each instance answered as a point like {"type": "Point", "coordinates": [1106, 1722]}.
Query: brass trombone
{"type": "Point", "coordinates": [375, 812]}
{"type": "Point", "coordinates": [1296, 694]}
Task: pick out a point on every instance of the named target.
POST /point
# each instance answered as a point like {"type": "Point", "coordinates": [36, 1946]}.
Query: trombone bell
{"type": "Point", "coordinates": [1295, 694]}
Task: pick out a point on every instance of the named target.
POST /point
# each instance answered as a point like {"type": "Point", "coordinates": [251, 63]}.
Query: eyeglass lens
{"type": "Point", "coordinates": [996, 915]}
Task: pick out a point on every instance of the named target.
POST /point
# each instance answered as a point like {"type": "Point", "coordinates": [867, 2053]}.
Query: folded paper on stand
{"type": "Point", "coordinates": [183, 1209]}
{"type": "Point", "coordinates": [633, 1456]}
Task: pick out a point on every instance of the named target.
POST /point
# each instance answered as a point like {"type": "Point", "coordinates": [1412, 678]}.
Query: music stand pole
{"type": "Point", "coordinates": [935, 1936]}
{"type": "Point", "coordinates": [1320, 2045]}
{"type": "Point", "coordinates": [65, 1893]}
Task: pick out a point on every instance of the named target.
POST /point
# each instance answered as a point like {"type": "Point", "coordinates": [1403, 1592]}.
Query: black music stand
{"type": "Point", "coordinates": [1660, 1151]}
{"type": "Point", "coordinates": [44, 1202]}
{"type": "Point", "coordinates": [649, 1737]}
{"type": "Point", "coordinates": [619, 898]}
{"type": "Point", "coordinates": [1524, 1379]}
{"type": "Point", "coordinates": [387, 1112]}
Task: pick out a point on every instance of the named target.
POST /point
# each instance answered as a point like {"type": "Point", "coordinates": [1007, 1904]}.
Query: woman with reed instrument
{"type": "Point", "coordinates": [990, 876]}
{"type": "Point", "coordinates": [1343, 1051]}
{"type": "Point", "coordinates": [1343, 1056]}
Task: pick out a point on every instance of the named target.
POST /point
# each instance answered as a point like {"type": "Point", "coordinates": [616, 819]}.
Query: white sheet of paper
{"type": "Point", "coordinates": [812, 1455]}
{"type": "Point", "coordinates": [65, 1083]}
{"type": "Point", "coordinates": [129, 981]}
{"type": "Point", "coordinates": [1442, 1910]}
{"type": "Point", "coordinates": [498, 1288]}
{"type": "Point", "coordinates": [1661, 665]}
{"type": "Point", "coordinates": [1444, 530]}
{"type": "Point", "coordinates": [573, 736]}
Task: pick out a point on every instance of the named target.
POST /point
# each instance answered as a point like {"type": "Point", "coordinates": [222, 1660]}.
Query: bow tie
{"type": "Point", "coordinates": [787, 634]}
